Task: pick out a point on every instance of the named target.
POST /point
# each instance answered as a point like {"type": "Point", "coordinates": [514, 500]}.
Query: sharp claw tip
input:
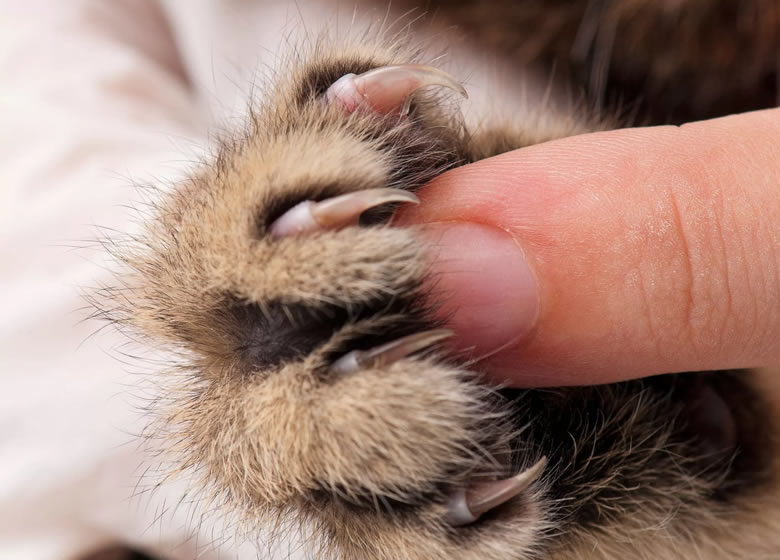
{"type": "Point", "coordinates": [388, 88]}
{"type": "Point", "coordinates": [413, 198]}
{"type": "Point", "coordinates": [466, 506]}
{"type": "Point", "coordinates": [346, 209]}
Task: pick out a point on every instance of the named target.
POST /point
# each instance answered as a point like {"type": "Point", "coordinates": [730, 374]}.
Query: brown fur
{"type": "Point", "coordinates": [365, 461]}
{"type": "Point", "coordinates": [676, 60]}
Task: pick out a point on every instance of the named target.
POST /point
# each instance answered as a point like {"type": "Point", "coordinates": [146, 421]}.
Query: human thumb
{"type": "Point", "coordinates": [613, 255]}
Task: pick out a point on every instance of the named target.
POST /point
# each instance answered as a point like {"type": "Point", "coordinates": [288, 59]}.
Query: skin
{"type": "Point", "coordinates": [650, 250]}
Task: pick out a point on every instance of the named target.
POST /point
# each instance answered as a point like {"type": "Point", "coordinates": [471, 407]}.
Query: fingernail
{"type": "Point", "coordinates": [487, 291]}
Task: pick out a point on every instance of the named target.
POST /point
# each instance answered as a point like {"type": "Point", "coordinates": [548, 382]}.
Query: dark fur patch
{"type": "Point", "coordinates": [321, 76]}
{"type": "Point", "coordinates": [603, 443]}
{"type": "Point", "coordinates": [281, 332]}
{"type": "Point", "coordinates": [268, 335]}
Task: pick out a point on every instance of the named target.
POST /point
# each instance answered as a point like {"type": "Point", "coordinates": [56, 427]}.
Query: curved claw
{"type": "Point", "coordinates": [388, 353]}
{"type": "Point", "coordinates": [387, 89]}
{"type": "Point", "coordinates": [335, 213]}
{"type": "Point", "coordinates": [466, 506]}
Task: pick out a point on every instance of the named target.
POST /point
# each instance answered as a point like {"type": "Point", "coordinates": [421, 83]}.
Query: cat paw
{"type": "Point", "coordinates": [319, 382]}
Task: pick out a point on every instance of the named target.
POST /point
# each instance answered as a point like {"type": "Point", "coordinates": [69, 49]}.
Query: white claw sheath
{"type": "Point", "coordinates": [387, 89]}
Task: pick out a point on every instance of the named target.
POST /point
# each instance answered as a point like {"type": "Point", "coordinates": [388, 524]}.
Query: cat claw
{"type": "Point", "coordinates": [388, 353]}
{"type": "Point", "coordinates": [335, 213]}
{"type": "Point", "coordinates": [388, 88]}
{"type": "Point", "coordinates": [466, 506]}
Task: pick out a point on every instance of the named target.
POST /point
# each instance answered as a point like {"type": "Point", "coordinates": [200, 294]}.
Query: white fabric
{"type": "Point", "coordinates": [96, 95]}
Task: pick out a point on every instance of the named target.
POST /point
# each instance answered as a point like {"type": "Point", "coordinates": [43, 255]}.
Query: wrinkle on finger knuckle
{"type": "Point", "coordinates": [684, 285]}
{"type": "Point", "coordinates": [711, 291]}
{"type": "Point", "coordinates": [662, 284]}
{"type": "Point", "coordinates": [730, 211]}
{"type": "Point", "coordinates": [753, 243]}
{"type": "Point", "coordinates": [720, 314]}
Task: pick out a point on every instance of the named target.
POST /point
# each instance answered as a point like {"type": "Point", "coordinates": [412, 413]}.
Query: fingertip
{"type": "Point", "coordinates": [651, 251]}
{"type": "Point", "coordinates": [485, 287]}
